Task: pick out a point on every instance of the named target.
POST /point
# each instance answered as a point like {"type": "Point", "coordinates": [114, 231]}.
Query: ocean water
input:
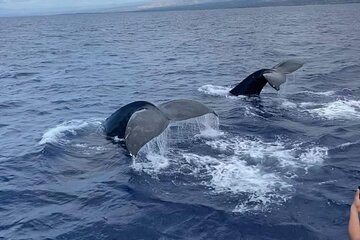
{"type": "Point", "coordinates": [280, 166]}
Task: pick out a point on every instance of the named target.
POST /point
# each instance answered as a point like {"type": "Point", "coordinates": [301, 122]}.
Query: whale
{"type": "Point", "coordinates": [255, 82]}
{"type": "Point", "coordinates": [139, 122]}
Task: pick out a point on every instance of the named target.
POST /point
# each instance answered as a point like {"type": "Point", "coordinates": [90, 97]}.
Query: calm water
{"type": "Point", "coordinates": [281, 166]}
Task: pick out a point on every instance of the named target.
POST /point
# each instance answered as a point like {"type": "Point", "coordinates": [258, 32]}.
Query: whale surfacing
{"type": "Point", "coordinates": [139, 122]}
{"type": "Point", "coordinates": [254, 83]}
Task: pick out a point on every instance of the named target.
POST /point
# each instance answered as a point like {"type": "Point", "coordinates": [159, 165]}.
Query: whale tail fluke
{"type": "Point", "coordinates": [139, 122]}
{"type": "Point", "coordinates": [277, 75]}
{"type": "Point", "coordinates": [255, 82]}
{"type": "Point", "coordinates": [288, 66]}
{"type": "Point", "coordinates": [275, 78]}
{"type": "Point", "coordinates": [143, 126]}
{"type": "Point", "coordinates": [183, 109]}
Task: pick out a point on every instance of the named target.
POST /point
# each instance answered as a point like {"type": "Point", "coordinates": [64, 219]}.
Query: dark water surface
{"type": "Point", "coordinates": [281, 166]}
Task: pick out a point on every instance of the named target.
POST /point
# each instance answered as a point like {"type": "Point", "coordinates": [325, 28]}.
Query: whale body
{"type": "Point", "coordinates": [255, 82]}
{"type": "Point", "coordinates": [140, 121]}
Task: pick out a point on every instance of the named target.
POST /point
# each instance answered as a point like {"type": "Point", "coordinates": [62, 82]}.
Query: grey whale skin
{"type": "Point", "coordinates": [140, 121]}
{"type": "Point", "coordinates": [254, 83]}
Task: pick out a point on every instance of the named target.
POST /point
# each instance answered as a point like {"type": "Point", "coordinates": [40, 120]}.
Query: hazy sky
{"type": "Point", "coordinates": [30, 7]}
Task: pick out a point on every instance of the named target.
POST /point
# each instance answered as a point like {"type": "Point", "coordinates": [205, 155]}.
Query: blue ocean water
{"type": "Point", "coordinates": [280, 166]}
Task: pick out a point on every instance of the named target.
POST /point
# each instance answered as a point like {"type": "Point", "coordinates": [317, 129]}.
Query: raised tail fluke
{"type": "Point", "coordinates": [139, 122]}
{"type": "Point", "coordinates": [288, 66]}
{"type": "Point", "coordinates": [143, 126]}
{"type": "Point", "coordinates": [255, 82]}
{"type": "Point", "coordinates": [277, 75]}
{"type": "Point", "coordinates": [275, 78]}
{"type": "Point", "coordinates": [182, 109]}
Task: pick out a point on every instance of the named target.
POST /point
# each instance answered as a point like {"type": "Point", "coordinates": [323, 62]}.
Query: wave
{"type": "Point", "coordinates": [326, 93]}
{"type": "Point", "coordinates": [338, 109]}
{"type": "Point", "coordinates": [347, 145]}
{"type": "Point", "coordinates": [82, 139]}
{"type": "Point", "coordinates": [63, 132]}
{"type": "Point", "coordinates": [231, 175]}
{"type": "Point", "coordinates": [341, 109]}
{"type": "Point", "coordinates": [223, 91]}
{"type": "Point", "coordinates": [214, 90]}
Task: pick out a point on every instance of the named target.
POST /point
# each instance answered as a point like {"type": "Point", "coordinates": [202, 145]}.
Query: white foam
{"type": "Point", "coordinates": [326, 93]}
{"type": "Point", "coordinates": [327, 182]}
{"type": "Point", "coordinates": [288, 104]}
{"type": "Point", "coordinates": [87, 149]}
{"type": "Point", "coordinates": [314, 155]}
{"type": "Point", "coordinates": [154, 164]}
{"type": "Point", "coordinates": [208, 126]}
{"type": "Point", "coordinates": [308, 104]}
{"type": "Point", "coordinates": [214, 90]}
{"type": "Point", "coordinates": [117, 139]}
{"type": "Point", "coordinates": [339, 109]}
{"type": "Point", "coordinates": [210, 133]}
{"type": "Point", "coordinates": [258, 150]}
{"type": "Point", "coordinates": [232, 175]}
{"type": "Point", "coordinates": [244, 163]}
{"type": "Point", "coordinates": [344, 145]}
{"type": "Point", "coordinates": [259, 173]}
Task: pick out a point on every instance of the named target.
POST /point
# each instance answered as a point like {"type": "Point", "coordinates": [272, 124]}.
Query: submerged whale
{"type": "Point", "coordinates": [139, 122]}
{"type": "Point", "coordinates": [254, 83]}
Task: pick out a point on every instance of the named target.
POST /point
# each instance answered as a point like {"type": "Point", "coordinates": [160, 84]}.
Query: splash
{"type": "Point", "coordinates": [339, 109]}
{"type": "Point", "coordinates": [208, 126]}
{"type": "Point", "coordinates": [314, 155]}
{"type": "Point", "coordinates": [213, 90]}
{"type": "Point", "coordinates": [342, 109]}
{"type": "Point", "coordinates": [278, 153]}
{"type": "Point", "coordinates": [156, 155]}
{"type": "Point", "coordinates": [259, 173]}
